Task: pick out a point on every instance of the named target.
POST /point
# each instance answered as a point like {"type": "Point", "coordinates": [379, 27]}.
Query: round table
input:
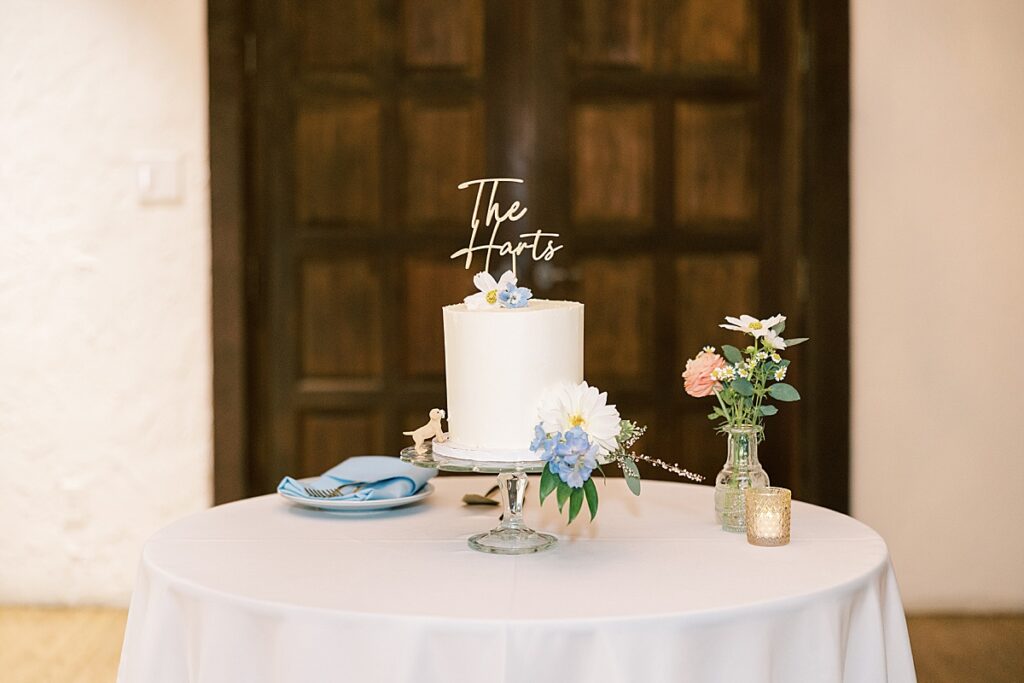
{"type": "Point", "coordinates": [653, 590]}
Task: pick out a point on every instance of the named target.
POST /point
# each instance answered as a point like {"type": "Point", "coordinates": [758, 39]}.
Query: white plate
{"type": "Point", "coordinates": [361, 505]}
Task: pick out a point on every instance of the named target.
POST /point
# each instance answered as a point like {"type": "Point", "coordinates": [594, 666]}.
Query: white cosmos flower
{"type": "Point", "coordinates": [773, 341]}
{"type": "Point", "coordinates": [487, 297]}
{"type": "Point", "coordinates": [748, 324]}
{"type": "Point", "coordinates": [580, 405]}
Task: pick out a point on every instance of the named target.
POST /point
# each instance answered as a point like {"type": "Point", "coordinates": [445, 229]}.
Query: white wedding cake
{"type": "Point", "coordinates": [498, 363]}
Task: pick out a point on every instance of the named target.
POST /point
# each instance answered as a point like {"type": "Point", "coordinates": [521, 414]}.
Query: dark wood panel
{"type": "Point", "coordinates": [619, 298]}
{"type": "Point", "coordinates": [337, 34]}
{"type": "Point", "coordinates": [635, 128]}
{"type": "Point", "coordinates": [443, 33]}
{"type": "Point", "coordinates": [444, 146]}
{"type": "Point", "coordinates": [341, 318]}
{"type": "Point", "coordinates": [338, 162]}
{"type": "Point", "coordinates": [429, 284]}
{"type": "Point", "coordinates": [711, 287]}
{"type": "Point", "coordinates": [613, 162]}
{"type": "Point", "coordinates": [700, 448]}
{"type": "Point", "coordinates": [715, 162]}
{"type": "Point", "coordinates": [228, 219]}
{"type": "Point", "coordinates": [329, 438]}
{"type": "Point", "coordinates": [712, 33]}
{"type": "Point", "coordinates": [612, 33]}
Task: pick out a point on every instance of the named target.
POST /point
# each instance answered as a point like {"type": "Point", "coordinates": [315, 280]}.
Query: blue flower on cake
{"type": "Point", "coordinates": [513, 296]}
{"type": "Point", "coordinates": [576, 457]}
{"type": "Point", "coordinates": [544, 444]}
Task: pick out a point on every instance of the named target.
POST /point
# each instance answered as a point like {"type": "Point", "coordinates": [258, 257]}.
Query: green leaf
{"type": "Point", "coordinates": [794, 342]}
{"type": "Point", "coordinates": [590, 491]}
{"type": "Point", "coordinates": [632, 474]}
{"type": "Point", "coordinates": [575, 503]}
{"type": "Point", "coordinates": [768, 410]}
{"type": "Point", "coordinates": [780, 328]}
{"type": "Point", "coordinates": [563, 494]}
{"type": "Point", "coordinates": [743, 387]}
{"type": "Point", "coordinates": [783, 392]}
{"type": "Point", "coordinates": [732, 354]}
{"type": "Point", "coordinates": [548, 483]}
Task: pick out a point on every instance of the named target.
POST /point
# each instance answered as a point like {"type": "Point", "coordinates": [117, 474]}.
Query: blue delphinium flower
{"type": "Point", "coordinates": [544, 444]}
{"type": "Point", "coordinates": [514, 297]}
{"type": "Point", "coordinates": [575, 457]}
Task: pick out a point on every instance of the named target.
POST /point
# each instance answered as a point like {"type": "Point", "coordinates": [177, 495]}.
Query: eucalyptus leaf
{"type": "Point", "coordinates": [743, 387]}
{"type": "Point", "coordinates": [780, 328]}
{"type": "Point", "coordinates": [590, 491]}
{"type": "Point", "coordinates": [575, 503]}
{"type": "Point", "coordinates": [632, 474]}
{"type": "Point", "coordinates": [783, 392]}
{"type": "Point", "coordinates": [732, 354]}
{"type": "Point", "coordinates": [563, 494]}
{"type": "Point", "coordinates": [797, 340]}
{"type": "Point", "coordinates": [548, 483]}
{"type": "Point", "coordinates": [769, 409]}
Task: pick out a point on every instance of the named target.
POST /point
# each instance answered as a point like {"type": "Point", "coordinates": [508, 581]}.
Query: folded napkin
{"type": "Point", "coordinates": [373, 477]}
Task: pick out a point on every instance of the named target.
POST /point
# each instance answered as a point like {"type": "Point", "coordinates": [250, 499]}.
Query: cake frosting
{"type": "Point", "coordinates": [498, 364]}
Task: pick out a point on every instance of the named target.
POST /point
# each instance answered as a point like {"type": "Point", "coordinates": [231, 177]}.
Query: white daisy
{"type": "Point", "coordinates": [748, 324]}
{"type": "Point", "coordinates": [581, 405]}
{"type": "Point", "coordinates": [780, 374]}
{"type": "Point", "coordinates": [487, 297]}
{"type": "Point", "coordinates": [773, 341]}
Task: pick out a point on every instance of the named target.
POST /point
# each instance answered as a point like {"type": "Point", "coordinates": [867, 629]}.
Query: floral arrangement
{"type": "Point", "coordinates": [577, 433]}
{"type": "Point", "coordinates": [743, 381]}
{"type": "Point", "coordinates": [501, 293]}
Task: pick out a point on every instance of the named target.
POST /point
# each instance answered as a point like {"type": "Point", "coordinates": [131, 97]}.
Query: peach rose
{"type": "Point", "coordinates": [697, 378]}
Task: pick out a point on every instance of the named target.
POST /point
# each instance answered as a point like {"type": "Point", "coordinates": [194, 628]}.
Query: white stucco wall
{"type": "Point", "coordinates": [938, 295]}
{"type": "Point", "coordinates": [105, 411]}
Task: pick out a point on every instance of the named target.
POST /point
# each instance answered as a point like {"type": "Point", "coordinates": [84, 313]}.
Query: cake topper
{"type": "Point", "coordinates": [493, 217]}
{"type": "Point", "coordinates": [431, 430]}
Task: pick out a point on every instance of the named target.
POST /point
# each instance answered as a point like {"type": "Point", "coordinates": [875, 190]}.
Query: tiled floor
{"type": "Point", "coordinates": [82, 645]}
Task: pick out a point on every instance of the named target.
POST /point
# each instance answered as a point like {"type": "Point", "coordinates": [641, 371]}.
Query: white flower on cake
{"type": "Point", "coordinates": [581, 405]}
{"type": "Point", "coordinates": [487, 297]}
{"type": "Point", "coordinates": [748, 324]}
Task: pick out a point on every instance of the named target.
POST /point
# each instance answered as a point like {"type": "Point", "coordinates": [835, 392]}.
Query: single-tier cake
{"type": "Point", "coordinates": [498, 364]}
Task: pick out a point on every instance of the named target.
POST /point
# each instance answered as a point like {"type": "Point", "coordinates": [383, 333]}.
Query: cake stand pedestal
{"type": "Point", "coordinates": [511, 536]}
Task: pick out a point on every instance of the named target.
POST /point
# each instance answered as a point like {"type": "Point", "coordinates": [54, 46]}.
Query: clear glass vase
{"type": "Point", "coordinates": [742, 471]}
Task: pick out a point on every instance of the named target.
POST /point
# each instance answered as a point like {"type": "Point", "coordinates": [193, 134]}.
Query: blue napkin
{"type": "Point", "coordinates": [374, 477]}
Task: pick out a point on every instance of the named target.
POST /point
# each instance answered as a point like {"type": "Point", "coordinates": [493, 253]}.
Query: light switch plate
{"type": "Point", "coordinates": [158, 177]}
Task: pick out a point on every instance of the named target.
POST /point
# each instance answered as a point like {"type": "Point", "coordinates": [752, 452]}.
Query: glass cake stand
{"type": "Point", "coordinates": [511, 536]}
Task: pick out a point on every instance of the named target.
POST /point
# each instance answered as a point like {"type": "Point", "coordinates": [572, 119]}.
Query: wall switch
{"type": "Point", "coordinates": [158, 177]}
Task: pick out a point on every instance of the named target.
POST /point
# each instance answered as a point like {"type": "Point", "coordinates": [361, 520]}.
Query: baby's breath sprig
{"type": "Point", "coordinates": [674, 468]}
{"type": "Point", "coordinates": [630, 432]}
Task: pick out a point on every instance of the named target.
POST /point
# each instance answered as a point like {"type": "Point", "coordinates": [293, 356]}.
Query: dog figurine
{"type": "Point", "coordinates": [431, 430]}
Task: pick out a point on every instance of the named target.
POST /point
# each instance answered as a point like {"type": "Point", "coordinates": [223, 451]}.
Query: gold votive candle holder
{"type": "Point", "coordinates": [768, 515]}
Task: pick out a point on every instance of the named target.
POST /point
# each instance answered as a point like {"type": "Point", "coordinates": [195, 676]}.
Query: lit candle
{"type": "Point", "coordinates": [768, 513]}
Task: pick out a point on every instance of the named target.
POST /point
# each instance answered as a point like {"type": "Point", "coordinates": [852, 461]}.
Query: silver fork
{"type": "Point", "coordinates": [332, 492]}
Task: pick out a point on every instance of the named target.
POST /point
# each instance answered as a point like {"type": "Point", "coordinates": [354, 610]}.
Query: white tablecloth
{"type": "Point", "coordinates": [261, 590]}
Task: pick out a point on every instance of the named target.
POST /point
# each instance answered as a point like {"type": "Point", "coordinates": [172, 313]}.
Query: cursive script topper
{"type": "Point", "coordinates": [493, 217]}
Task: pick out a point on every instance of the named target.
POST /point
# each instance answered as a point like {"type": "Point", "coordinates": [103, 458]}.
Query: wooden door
{"type": "Point", "coordinates": [659, 137]}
